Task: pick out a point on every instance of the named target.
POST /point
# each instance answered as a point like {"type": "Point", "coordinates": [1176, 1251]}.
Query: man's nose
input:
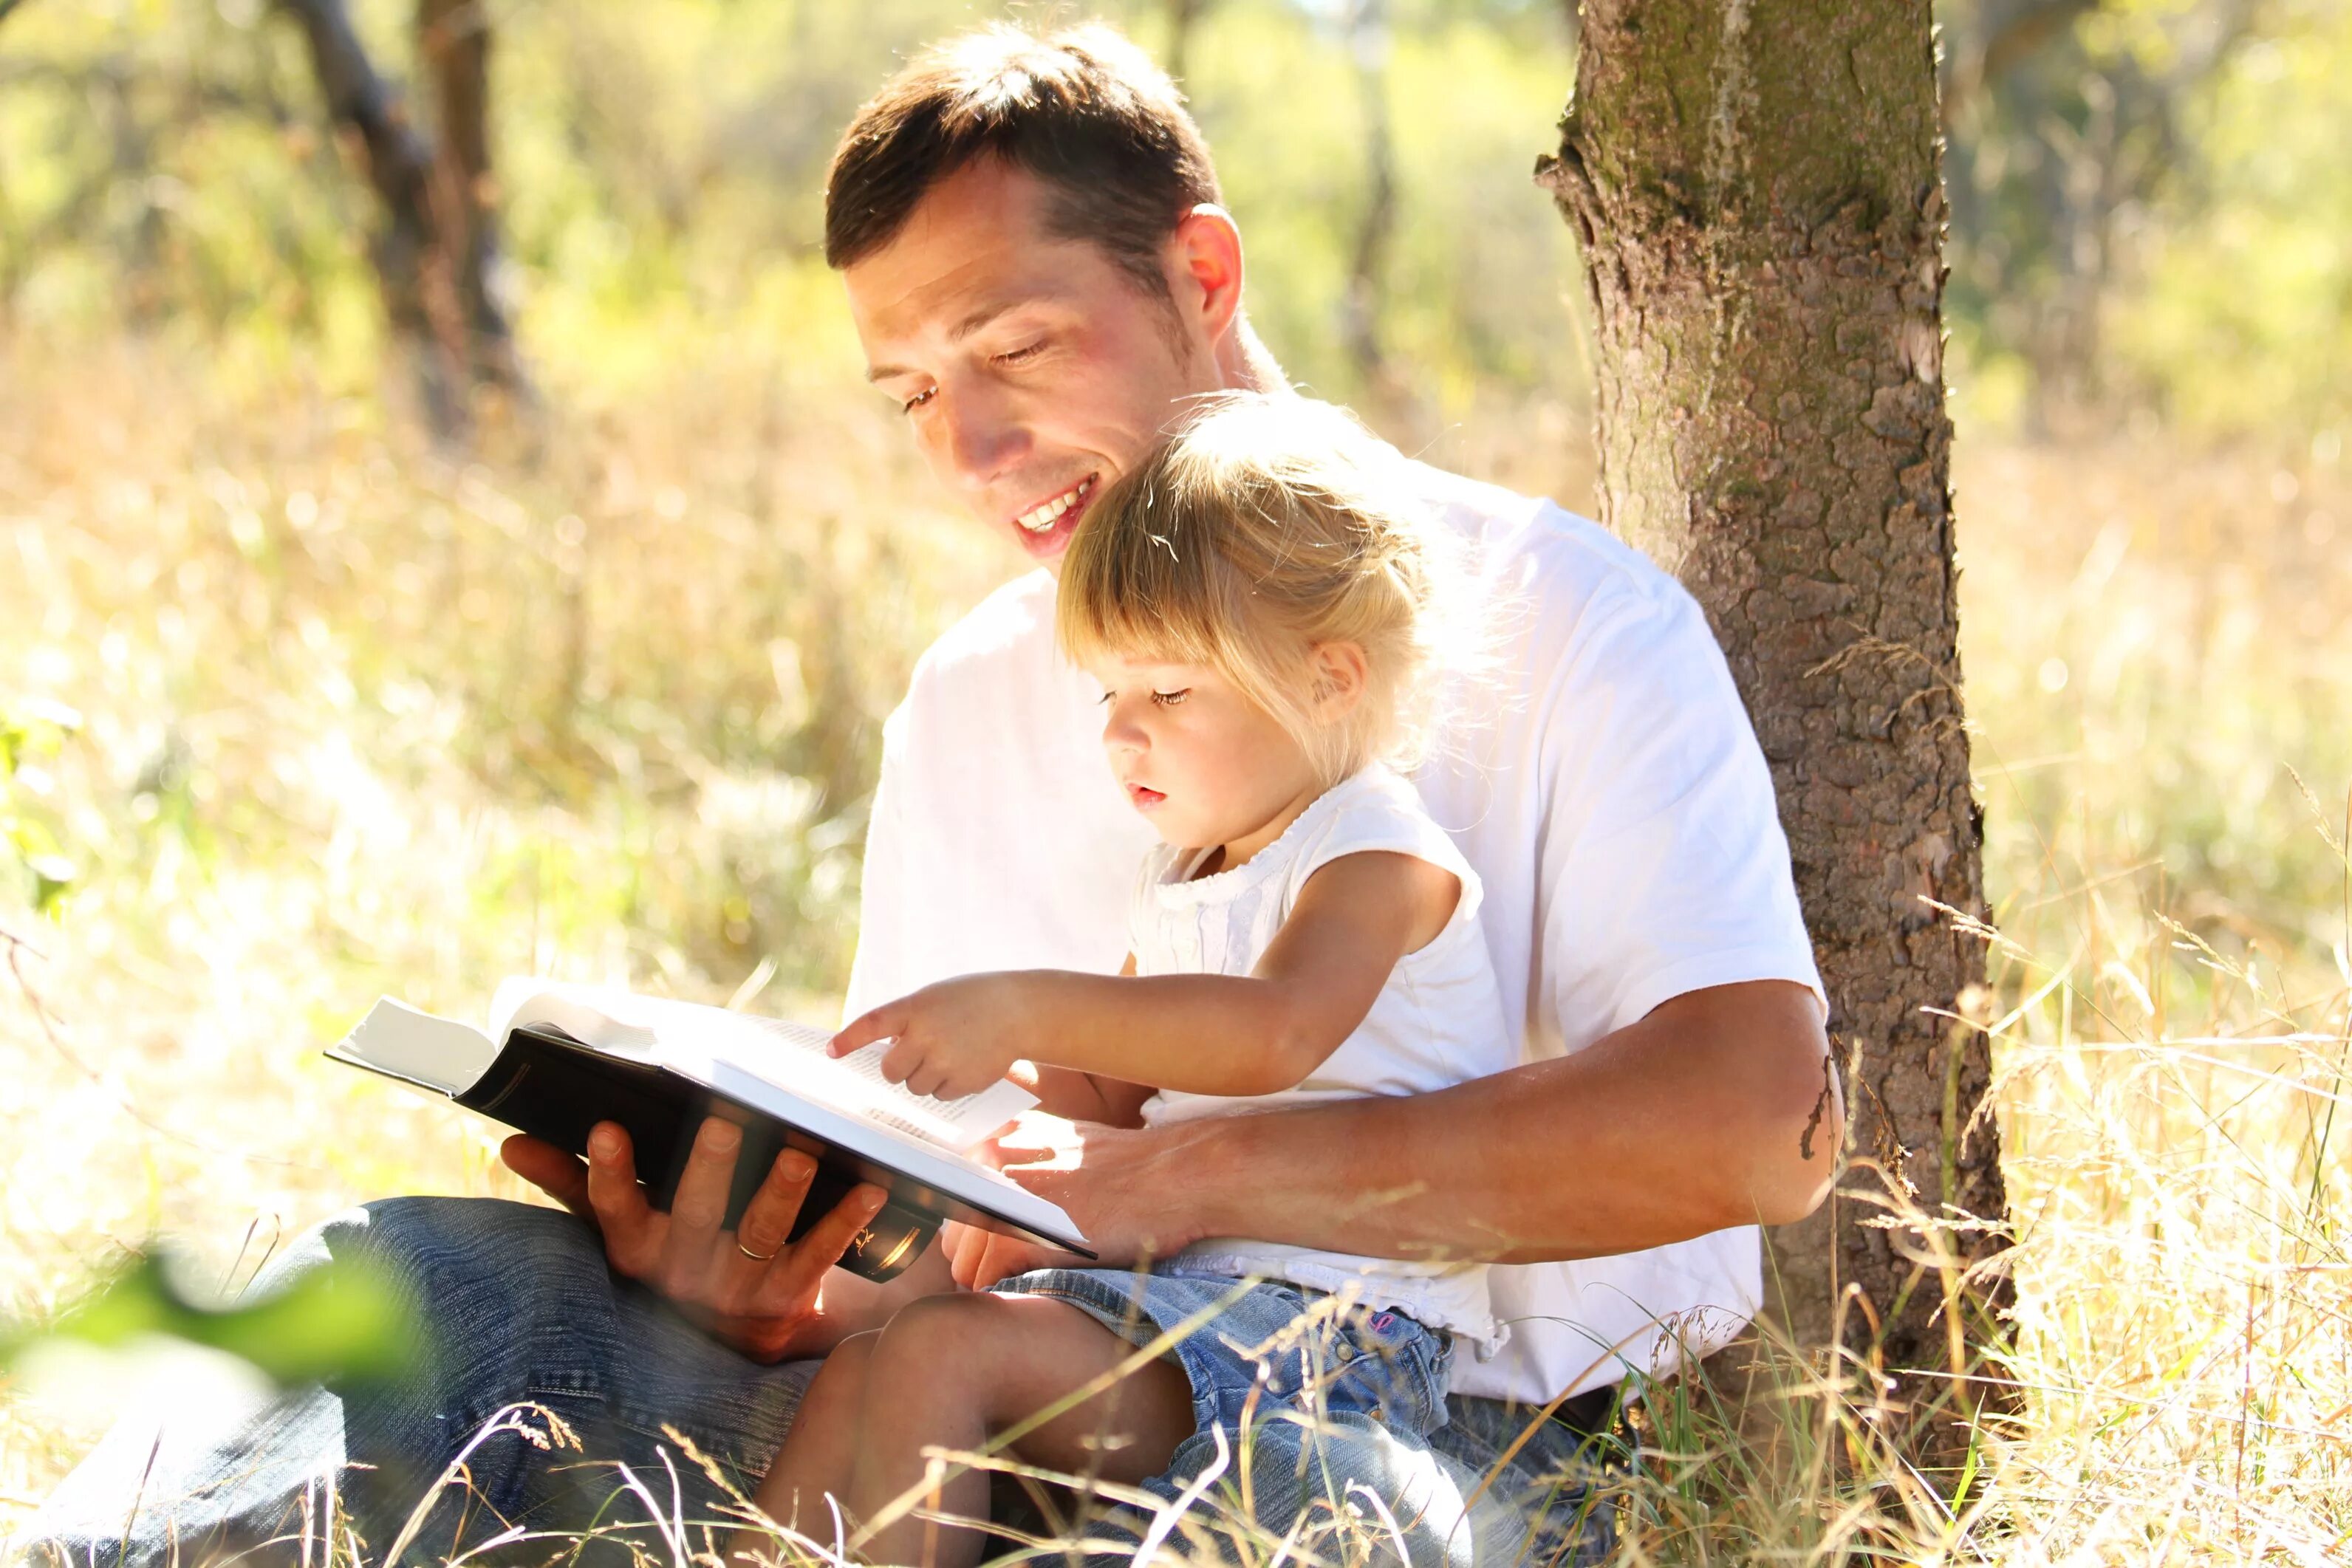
{"type": "Point", "coordinates": [983, 439]}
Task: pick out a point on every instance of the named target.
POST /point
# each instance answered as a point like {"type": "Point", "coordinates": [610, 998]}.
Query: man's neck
{"type": "Point", "coordinates": [1245, 365]}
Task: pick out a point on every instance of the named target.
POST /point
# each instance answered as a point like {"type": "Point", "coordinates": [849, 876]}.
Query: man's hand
{"type": "Point", "coordinates": [952, 1039]}
{"type": "Point", "coordinates": [766, 1306]}
{"type": "Point", "coordinates": [1121, 1185]}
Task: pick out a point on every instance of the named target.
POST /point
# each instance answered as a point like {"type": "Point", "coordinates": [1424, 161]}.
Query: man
{"type": "Point", "coordinates": [1041, 276]}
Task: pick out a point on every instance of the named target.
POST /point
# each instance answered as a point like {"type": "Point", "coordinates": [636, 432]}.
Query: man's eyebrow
{"type": "Point", "coordinates": [973, 323]}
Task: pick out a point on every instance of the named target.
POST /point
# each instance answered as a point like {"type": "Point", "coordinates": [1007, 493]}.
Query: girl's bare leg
{"type": "Point", "coordinates": [817, 1452]}
{"type": "Point", "coordinates": [951, 1371]}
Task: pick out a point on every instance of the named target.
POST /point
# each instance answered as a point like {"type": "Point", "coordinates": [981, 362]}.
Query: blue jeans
{"type": "Point", "coordinates": [578, 1374]}
{"type": "Point", "coordinates": [1267, 1349]}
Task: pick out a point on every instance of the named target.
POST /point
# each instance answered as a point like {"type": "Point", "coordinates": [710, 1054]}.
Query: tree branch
{"type": "Point", "coordinates": [2011, 43]}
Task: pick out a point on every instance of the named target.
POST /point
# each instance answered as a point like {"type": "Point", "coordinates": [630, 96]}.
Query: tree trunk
{"type": "Point", "coordinates": [1762, 213]}
{"type": "Point", "coordinates": [399, 160]}
{"type": "Point", "coordinates": [1182, 15]}
{"type": "Point", "coordinates": [453, 38]}
{"type": "Point", "coordinates": [436, 251]}
{"type": "Point", "coordinates": [1359, 321]}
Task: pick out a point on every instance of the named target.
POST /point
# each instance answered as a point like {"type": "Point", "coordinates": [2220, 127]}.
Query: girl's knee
{"type": "Point", "coordinates": [964, 1351]}
{"type": "Point", "coordinates": [935, 1330]}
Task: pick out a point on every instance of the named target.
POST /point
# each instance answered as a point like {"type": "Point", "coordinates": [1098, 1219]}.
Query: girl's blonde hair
{"type": "Point", "coordinates": [1264, 526]}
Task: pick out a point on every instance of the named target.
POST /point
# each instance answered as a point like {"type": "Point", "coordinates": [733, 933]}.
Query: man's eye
{"type": "Point", "coordinates": [909, 405]}
{"type": "Point", "coordinates": [1015, 356]}
{"type": "Point", "coordinates": [1170, 699]}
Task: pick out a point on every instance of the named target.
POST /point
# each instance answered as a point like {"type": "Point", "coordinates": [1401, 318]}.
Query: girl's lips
{"type": "Point", "coordinates": [1144, 797]}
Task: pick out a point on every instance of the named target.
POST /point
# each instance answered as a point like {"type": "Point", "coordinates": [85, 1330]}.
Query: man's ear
{"type": "Point", "coordinates": [1206, 271]}
{"type": "Point", "coordinates": [1339, 672]}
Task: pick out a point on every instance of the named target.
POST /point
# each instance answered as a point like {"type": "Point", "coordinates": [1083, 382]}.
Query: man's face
{"type": "Point", "coordinates": [1033, 369]}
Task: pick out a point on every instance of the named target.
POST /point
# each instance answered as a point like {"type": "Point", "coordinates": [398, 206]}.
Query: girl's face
{"type": "Point", "coordinates": [1203, 762]}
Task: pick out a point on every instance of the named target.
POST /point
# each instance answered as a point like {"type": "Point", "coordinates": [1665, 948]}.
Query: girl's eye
{"type": "Point", "coordinates": [1170, 699]}
{"type": "Point", "coordinates": [1104, 700]}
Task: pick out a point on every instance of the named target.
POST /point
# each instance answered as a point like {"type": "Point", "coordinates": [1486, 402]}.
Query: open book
{"type": "Point", "coordinates": [558, 1059]}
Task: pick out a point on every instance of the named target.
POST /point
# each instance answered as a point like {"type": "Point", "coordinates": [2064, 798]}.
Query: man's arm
{"type": "Point", "coordinates": [1716, 1109]}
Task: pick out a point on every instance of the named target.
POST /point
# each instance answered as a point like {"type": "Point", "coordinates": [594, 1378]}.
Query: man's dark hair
{"type": "Point", "coordinates": [1080, 108]}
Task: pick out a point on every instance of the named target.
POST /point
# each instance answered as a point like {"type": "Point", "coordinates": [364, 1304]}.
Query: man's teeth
{"type": "Point", "coordinates": [1045, 516]}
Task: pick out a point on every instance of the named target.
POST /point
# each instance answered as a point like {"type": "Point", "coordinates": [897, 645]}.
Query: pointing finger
{"type": "Point", "coordinates": [861, 1033]}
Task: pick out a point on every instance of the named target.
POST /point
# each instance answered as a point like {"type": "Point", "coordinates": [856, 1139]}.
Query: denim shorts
{"type": "Point", "coordinates": [1256, 1348]}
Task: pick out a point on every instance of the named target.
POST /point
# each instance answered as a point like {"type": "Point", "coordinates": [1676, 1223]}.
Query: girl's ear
{"type": "Point", "coordinates": [1338, 673]}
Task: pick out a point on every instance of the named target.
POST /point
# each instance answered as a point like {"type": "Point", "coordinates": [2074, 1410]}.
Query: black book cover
{"type": "Point", "coordinates": [547, 1084]}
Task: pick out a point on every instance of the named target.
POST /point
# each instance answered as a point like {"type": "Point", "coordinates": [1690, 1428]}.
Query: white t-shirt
{"type": "Point", "coordinates": [1607, 787]}
{"type": "Point", "coordinates": [1438, 1020]}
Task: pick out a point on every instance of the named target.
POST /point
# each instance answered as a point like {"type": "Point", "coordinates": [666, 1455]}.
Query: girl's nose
{"type": "Point", "coordinates": [1120, 732]}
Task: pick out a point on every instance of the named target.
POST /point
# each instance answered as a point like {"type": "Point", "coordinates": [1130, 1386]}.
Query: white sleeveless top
{"type": "Point", "coordinates": [1438, 1021]}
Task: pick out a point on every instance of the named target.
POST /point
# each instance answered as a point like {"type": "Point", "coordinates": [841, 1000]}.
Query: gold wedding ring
{"type": "Point", "coordinates": [756, 1257]}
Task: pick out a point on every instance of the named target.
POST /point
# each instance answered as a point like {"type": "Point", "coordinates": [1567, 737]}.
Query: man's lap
{"type": "Point", "coordinates": [523, 1315]}
{"type": "Point", "coordinates": [520, 1323]}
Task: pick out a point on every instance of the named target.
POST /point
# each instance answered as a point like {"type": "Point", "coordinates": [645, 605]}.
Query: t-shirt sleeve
{"type": "Point", "coordinates": [877, 971]}
{"type": "Point", "coordinates": [1664, 867]}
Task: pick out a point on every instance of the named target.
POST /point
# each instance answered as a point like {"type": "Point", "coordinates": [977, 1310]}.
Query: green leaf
{"type": "Point", "coordinates": [52, 875]}
{"type": "Point", "coordinates": [338, 1323]}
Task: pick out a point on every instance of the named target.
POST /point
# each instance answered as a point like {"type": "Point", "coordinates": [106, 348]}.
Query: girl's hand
{"type": "Point", "coordinates": [979, 1259]}
{"type": "Point", "coordinates": [952, 1039]}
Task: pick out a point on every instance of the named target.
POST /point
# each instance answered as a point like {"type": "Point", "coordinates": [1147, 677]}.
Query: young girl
{"type": "Point", "coordinates": [1262, 606]}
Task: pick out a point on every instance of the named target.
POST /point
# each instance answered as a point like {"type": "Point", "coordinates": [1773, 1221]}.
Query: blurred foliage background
{"type": "Point", "coordinates": [308, 691]}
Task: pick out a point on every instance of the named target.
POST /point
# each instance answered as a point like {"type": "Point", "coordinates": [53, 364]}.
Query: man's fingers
{"type": "Point", "coordinates": [799, 1270]}
{"type": "Point", "coordinates": [551, 1170]}
{"type": "Point", "coordinates": [698, 1205]}
{"type": "Point", "coordinates": [632, 1230]}
{"type": "Point", "coordinates": [1035, 1135]}
{"type": "Point", "coordinates": [768, 1218]}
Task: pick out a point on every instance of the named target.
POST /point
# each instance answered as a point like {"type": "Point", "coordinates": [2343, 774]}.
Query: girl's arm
{"type": "Point", "coordinates": [1078, 1096]}
{"type": "Point", "coordinates": [1197, 1034]}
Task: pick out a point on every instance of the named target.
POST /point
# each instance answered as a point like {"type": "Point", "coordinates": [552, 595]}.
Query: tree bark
{"type": "Point", "coordinates": [1182, 15]}
{"type": "Point", "coordinates": [399, 162]}
{"type": "Point", "coordinates": [453, 38]}
{"type": "Point", "coordinates": [1762, 213]}
{"type": "Point", "coordinates": [436, 248]}
{"type": "Point", "coordinates": [1359, 330]}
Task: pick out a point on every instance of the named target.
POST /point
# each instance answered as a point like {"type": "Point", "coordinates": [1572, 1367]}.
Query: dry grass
{"type": "Point", "coordinates": [355, 721]}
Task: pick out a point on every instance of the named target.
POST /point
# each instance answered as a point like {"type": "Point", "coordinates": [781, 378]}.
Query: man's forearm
{"type": "Point", "coordinates": [1717, 1109]}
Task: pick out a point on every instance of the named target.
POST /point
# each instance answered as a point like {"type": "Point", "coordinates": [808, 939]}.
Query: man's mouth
{"type": "Point", "coordinates": [1043, 521]}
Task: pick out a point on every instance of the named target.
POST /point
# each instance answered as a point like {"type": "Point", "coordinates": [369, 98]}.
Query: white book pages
{"type": "Point", "coordinates": [689, 1036]}
{"type": "Point", "coordinates": [420, 1049]}
{"type": "Point", "coordinates": [775, 1066]}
